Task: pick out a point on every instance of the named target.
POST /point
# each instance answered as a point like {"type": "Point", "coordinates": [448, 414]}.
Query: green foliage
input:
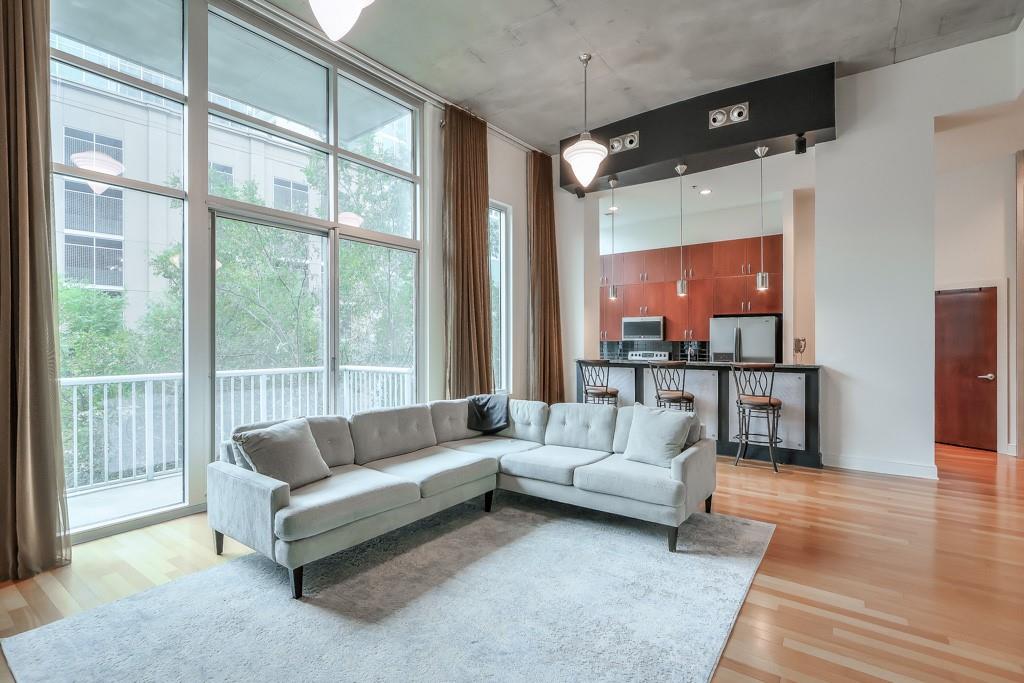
{"type": "Point", "coordinates": [94, 339]}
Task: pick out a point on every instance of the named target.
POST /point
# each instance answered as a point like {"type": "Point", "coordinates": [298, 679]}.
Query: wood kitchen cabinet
{"type": "Point", "coordinates": [637, 267]}
{"type": "Point", "coordinates": [729, 258]}
{"type": "Point", "coordinates": [770, 300]}
{"type": "Point", "coordinates": [632, 270]}
{"type": "Point", "coordinates": [643, 299]}
{"type": "Point", "coordinates": [740, 295]}
{"type": "Point", "coordinates": [611, 267]}
{"type": "Point", "coordinates": [677, 313]}
{"type": "Point", "coordinates": [687, 318]}
{"type": "Point", "coordinates": [700, 261]}
{"type": "Point", "coordinates": [743, 257]}
{"type": "Point", "coordinates": [673, 268]}
{"type": "Point", "coordinates": [611, 317]}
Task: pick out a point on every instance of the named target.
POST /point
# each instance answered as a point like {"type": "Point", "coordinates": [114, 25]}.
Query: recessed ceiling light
{"type": "Point", "coordinates": [705, 192]}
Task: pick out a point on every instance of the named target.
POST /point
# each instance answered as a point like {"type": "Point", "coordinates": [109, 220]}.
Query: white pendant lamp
{"type": "Point", "coordinates": [613, 289]}
{"type": "Point", "coordinates": [681, 284]}
{"type": "Point", "coordinates": [761, 283]}
{"type": "Point", "coordinates": [99, 162]}
{"type": "Point", "coordinates": [337, 17]}
{"type": "Point", "coordinates": [586, 154]}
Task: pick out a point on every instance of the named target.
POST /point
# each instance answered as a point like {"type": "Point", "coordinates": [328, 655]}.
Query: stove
{"type": "Point", "coordinates": [648, 355]}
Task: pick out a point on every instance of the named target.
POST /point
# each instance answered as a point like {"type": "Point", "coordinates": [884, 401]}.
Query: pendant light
{"type": "Point", "coordinates": [681, 283]}
{"type": "Point", "coordinates": [337, 17]}
{"type": "Point", "coordinates": [613, 289]}
{"type": "Point", "coordinates": [586, 154]}
{"type": "Point", "coordinates": [762, 277]}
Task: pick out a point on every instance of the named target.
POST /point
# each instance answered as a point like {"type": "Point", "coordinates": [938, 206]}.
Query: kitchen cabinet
{"type": "Point", "coordinates": [687, 318]}
{"type": "Point", "coordinates": [677, 313]}
{"type": "Point", "coordinates": [673, 267]}
{"type": "Point", "coordinates": [700, 261]}
{"type": "Point", "coordinates": [637, 267]}
{"type": "Point", "coordinates": [611, 268]}
{"type": "Point", "coordinates": [611, 317]}
{"type": "Point", "coordinates": [729, 258]}
{"type": "Point", "coordinates": [654, 265]}
{"type": "Point", "coordinates": [643, 299]}
{"type": "Point", "coordinates": [632, 271]}
{"type": "Point", "coordinates": [740, 295]}
{"type": "Point", "coordinates": [743, 257]}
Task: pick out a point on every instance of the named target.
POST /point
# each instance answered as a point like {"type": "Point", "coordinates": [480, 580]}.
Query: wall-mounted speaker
{"type": "Point", "coordinates": [624, 143]}
{"type": "Point", "coordinates": [727, 116]}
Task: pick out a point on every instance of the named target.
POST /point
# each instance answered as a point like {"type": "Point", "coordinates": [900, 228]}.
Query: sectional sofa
{"type": "Point", "coordinates": [391, 467]}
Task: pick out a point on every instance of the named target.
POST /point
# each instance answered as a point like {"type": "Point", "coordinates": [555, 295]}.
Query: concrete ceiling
{"type": "Point", "coordinates": [514, 63]}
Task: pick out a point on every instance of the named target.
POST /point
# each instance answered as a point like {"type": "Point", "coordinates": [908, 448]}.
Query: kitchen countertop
{"type": "Point", "coordinates": [708, 365]}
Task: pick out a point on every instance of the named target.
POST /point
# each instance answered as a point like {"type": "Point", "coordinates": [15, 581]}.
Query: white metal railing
{"type": "Point", "coordinates": [124, 428]}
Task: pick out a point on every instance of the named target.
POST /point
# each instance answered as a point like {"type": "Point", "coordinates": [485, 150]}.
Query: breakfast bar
{"type": "Point", "coordinates": [798, 386]}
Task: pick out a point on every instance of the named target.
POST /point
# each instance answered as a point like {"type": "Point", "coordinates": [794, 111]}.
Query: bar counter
{"type": "Point", "coordinates": [798, 386]}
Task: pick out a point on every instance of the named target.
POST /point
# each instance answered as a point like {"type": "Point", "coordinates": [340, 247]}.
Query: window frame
{"type": "Point", "coordinates": [505, 287]}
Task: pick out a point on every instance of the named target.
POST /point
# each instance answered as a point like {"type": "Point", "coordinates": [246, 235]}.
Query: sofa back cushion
{"type": "Point", "coordinates": [450, 419]}
{"type": "Point", "coordinates": [581, 425]}
{"type": "Point", "coordinates": [331, 433]}
{"type": "Point", "coordinates": [623, 421]}
{"type": "Point", "coordinates": [527, 420]}
{"type": "Point", "coordinates": [387, 432]}
{"type": "Point", "coordinates": [285, 451]}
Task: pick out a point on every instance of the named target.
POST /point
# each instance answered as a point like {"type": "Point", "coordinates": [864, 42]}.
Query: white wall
{"type": "Point", "coordinates": [575, 250]}
{"type": "Point", "coordinates": [802, 318]}
{"type": "Point", "coordinates": [975, 224]}
{"type": "Point", "coordinates": [874, 252]}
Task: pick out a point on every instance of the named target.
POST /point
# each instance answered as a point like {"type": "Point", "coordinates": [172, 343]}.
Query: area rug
{"type": "Point", "coordinates": [534, 591]}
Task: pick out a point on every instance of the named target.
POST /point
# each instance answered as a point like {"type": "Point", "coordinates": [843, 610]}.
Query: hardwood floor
{"type": "Point", "coordinates": [867, 577]}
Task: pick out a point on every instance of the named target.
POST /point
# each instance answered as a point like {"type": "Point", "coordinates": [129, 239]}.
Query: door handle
{"type": "Point", "coordinates": [990, 377]}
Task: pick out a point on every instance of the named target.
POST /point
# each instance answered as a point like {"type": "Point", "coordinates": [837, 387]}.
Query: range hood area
{"type": "Point", "coordinates": [778, 110]}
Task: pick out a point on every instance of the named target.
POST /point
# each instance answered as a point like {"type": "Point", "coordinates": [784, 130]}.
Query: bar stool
{"type": "Point", "coordinates": [670, 385]}
{"type": "Point", "coordinates": [754, 400]}
{"type": "Point", "coordinates": [595, 382]}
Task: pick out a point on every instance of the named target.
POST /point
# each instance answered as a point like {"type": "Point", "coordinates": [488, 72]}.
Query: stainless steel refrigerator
{"type": "Point", "coordinates": [746, 339]}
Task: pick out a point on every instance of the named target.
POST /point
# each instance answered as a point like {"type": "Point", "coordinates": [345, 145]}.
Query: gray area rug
{"type": "Point", "coordinates": [535, 591]}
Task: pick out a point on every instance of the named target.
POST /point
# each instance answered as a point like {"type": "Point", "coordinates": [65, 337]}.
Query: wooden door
{"type": "Point", "coordinates": [654, 265]}
{"type": "Point", "coordinates": [700, 300]}
{"type": "Point", "coordinates": [701, 260]}
{"type": "Point", "coordinates": [632, 263]}
{"type": "Point", "coordinates": [965, 366]}
{"type": "Point", "coordinates": [676, 310]}
{"type": "Point", "coordinates": [730, 257]}
{"type": "Point", "coordinates": [673, 271]}
{"type": "Point", "coordinates": [768, 301]}
{"type": "Point", "coordinates": [731, 294]}
{"type": "Point", "coordinates": [611, 317]}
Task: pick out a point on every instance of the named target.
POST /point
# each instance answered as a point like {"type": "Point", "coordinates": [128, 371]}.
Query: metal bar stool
{"type": "Point", "coordinates": [670, 385]}
{"type": "Point", "coordinates": [754, 400]}
{"type": "Point", "coordinates": [595, 382]}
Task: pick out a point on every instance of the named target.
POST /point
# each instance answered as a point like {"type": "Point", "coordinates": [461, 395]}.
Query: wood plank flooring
{"type": "Point", "coordinates": [867, 577]}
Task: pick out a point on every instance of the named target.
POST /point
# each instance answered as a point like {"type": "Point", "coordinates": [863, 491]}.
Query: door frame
{"type": "Point", "coordinates": [1005, 439]}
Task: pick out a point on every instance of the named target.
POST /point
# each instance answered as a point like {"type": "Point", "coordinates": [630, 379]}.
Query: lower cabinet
{"type": "Point", "coordinates": [611, 317]}
{"type": "Point", "coordinates": [687, 318]}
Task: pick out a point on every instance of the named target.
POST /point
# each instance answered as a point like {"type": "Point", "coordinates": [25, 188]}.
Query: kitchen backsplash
{"type": "Point", "coordinates": [696, 351]}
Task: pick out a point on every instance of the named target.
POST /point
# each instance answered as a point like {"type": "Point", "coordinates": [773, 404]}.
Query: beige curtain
{"type": "Point", "coordinates": [33, 506]}
{"type": "Point", "coordinates": [466, 279]}
{"type": "Point", "coordinates": [545, 331]}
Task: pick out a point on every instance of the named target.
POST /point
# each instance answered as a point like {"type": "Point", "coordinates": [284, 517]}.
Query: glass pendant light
{"type": "Point", "coordinates": [681, 283]}
{"type": "Point", "coordinates": [337, 17]}
{"type": "Point", "coordinates": [613, 289]}
{"type": "Point", "coordinates": [761, 283]}
{"type": "Point", "coordinates": [586, 154]}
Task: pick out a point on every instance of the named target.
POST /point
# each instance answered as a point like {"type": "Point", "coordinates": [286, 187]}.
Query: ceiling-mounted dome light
{"type": "Point", "coordinates": [586, 154]}
{"type": "Point", "coordinates": [350, 218]}
{"type": "Point", "coordinates": [337, 17]}
{"type": "Point", "coordinates": [681, 283]}
{"type": "Point", "coordinates": [761, 283]}
{"type": "Point", "coordinates": [98, 162]}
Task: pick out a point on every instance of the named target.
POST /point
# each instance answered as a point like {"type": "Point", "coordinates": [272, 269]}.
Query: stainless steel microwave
{"type": "Point", "coordinates": [645, 328]}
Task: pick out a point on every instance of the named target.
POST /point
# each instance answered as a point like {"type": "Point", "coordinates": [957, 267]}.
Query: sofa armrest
{"type": "Point", "coordinates": [695, 467]}
{"type": "Point", "coordinates": [242, 504]}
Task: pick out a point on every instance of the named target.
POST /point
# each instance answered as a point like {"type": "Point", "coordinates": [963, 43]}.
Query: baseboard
{"type": "Point", "coordinates": [139, 521]}
{"type": "Point", "coordinates": [900, 469]}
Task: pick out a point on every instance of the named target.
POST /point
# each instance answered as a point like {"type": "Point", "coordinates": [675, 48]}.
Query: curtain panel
{"type": "Point", "coordinates": [545, 328]}
{"type": "Point", "coordinates": [467, 310]}
{"type": "Point", "coordinates": [33, 505]}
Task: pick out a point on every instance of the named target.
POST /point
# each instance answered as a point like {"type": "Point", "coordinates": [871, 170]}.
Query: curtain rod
{"type": "Point", "coordinates": [314, 35]}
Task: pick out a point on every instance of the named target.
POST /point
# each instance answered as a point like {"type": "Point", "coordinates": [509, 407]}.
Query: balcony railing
{"type": "Point", "coordinates": [124, 428]}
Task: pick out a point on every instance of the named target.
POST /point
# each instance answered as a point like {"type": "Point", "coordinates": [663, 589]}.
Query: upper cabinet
{"type": "Point", "coordinates": [730, 258]}
{"type": "Point", "coordinates": [743, 256]}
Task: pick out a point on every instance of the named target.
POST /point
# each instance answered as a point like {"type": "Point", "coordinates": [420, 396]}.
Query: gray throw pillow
{"type": "Point", "coordinates": [694, 435]}
{"type": "Point", "coordinates": [657, 435]}
{"type": "Point", "coordinates": [285, 451]}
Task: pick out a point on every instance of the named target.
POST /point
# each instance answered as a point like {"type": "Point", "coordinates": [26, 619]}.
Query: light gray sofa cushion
{"type": "Point", "coordinates": [623, 421]}
{"type": "Point", "coordinates": [450, 419]}
{"type": "Point", "coordinates": [581, 425]}
{"type": "Point", "coordinates": [388, 432]}
{"type": "Point", "coordinates": [618, 476]}
{"type": "Point", "coordinates": [350, 493]}
{"type": "Point", "coordinates": [550, 463]}
{"type": "Point", "coordinates": [496, 446]}
{"type": "Point", "coordinates": [527, 420]}
{"type": "Point", "coordinates": [285, 451]}
{"type": "Point", "coordinates": [657, 435]}
{"type": "Point", "coordinates": [436, 469]}
{"type": "Point", "coordinates": [331, 433]}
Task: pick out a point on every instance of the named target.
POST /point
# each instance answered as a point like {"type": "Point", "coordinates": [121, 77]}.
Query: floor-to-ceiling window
{"type": "Point", "coordinates": [117, 113]}
{"type": "Point", "coordinates": [498, 263]}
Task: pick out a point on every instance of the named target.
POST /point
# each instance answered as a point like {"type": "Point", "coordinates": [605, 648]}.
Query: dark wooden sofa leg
{"type": "Point", "coordinates": [707, 504]}
{"type": "Point", "coordinates": [488, 501]}
{"type": "Point", "coordinates": [218, 542]}
{"type": "Point", "coordinates": [296, 575]}
{"type": "Point", "coordinates": [673, 537]}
